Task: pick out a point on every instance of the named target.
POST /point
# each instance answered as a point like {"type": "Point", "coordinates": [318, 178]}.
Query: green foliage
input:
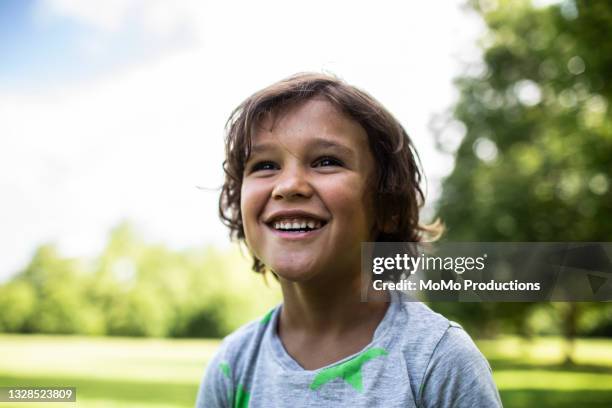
{"type": "Point", "coordinates": [535, 161]}
{"type": "Point", "coordinates": [17, 303]}
{"type": "Point", "coordinates": [134, 289]}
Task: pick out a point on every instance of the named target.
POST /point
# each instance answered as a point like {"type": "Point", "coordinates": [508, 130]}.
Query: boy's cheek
{"type": "Point", "coordinates": [351, 194]}
{"type": "Point", "coordinates": [252, 201]}
{"type": "Point", "coordinates": [251, 208]}
{"type": "Point", "coordinates": [250, 238]}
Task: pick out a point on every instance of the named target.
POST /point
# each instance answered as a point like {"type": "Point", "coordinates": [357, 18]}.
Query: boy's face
{"type": "Point", "coordinates": [305, 202]}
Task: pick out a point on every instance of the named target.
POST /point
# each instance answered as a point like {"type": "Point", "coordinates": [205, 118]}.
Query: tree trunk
{"type": "Point", "coordinates": [570, 322]}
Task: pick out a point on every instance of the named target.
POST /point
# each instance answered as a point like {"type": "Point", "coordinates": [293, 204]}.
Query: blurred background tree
{"type": "Point", "coordinates": [536, 158]}
{"type": "Point", "coordinates": [135, 288]}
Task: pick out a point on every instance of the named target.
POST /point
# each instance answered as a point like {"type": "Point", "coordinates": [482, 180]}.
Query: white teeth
{"type": "Point", "coordinates": [297, 224]}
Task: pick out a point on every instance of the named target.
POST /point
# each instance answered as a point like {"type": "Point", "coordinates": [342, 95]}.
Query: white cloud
{"type": "Point", "coordinates": [108, 16]}
{"type": "Point", "coordinates": [77, 158]}
{"type": "Point", "coordinates": [153, 16]}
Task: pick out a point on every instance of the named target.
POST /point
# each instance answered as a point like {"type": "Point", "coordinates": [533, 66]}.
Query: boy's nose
{"type": "Point", "coordinates": [292, 184]}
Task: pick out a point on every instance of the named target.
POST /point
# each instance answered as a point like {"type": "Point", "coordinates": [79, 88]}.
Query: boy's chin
{"type": "Point", "coordinates": [294, 273]}
{"type": "Point", "coordinates": [294, 276]}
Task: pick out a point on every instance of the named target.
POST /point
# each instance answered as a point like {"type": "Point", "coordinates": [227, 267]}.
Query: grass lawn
{"type": "Point", "coordinates": [531, 373]}
{"type": "Point", "coordinates": [120, 372]}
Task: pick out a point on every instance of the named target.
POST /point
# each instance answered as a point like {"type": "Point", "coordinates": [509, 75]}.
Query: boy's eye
{"type": "Point", "coordinates": [264, 165]}
{"type": "Point", "coordinates": [327, 161]}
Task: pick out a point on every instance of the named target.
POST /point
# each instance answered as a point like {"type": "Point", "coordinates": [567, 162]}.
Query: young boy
{"type": "Point", "coordinates": [314, 167]}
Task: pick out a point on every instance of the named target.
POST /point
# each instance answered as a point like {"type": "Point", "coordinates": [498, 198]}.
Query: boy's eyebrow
{"type": "Point", "coordinates": [314, 143]}
{"type": "Point", "coordinates": [330, 144]}
{"type": "Point", "coordinates": [261, 148]}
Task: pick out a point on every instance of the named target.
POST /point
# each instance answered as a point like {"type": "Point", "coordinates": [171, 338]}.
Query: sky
{"type": "Point", "coordinates": [115, 110]}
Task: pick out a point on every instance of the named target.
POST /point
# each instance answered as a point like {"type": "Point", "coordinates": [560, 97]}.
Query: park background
{"type": "Point", "coordinates": [117, 277]}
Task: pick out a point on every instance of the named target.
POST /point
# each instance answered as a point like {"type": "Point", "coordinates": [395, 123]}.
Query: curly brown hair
{"type": "Point", "coordinates": [398, 176]}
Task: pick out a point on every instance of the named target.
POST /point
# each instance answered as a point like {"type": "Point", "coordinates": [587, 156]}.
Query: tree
{"type": "Point", "coordinates": [535, 161]}
{"type": "Point", "coordinates": [134, 288]}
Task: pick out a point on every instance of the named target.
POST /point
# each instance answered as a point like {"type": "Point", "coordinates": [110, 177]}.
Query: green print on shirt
{"type": "Point", "coordinates": [267, 317]}
{"type": "Point", "coordinates": [241, 397]}
{"type": "Point", "coordinates": [350, 370]}
{"type": "Point", "coordinates": [225, 369]}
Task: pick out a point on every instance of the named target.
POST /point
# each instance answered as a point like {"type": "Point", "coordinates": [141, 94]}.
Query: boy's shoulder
{"type": "Point", "coordinates": [418, 324]}
{"type": "Point", "coordinates": [223, 378]}
{"type": "Point", "coordinates": [425, 334]}
{"type": "Point", "coordinates": [245, 340]}
{"type": "Point", "coordinates": [435, 350]}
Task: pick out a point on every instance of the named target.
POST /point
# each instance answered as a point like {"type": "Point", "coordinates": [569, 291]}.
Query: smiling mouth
{"type": "Point", "coordinates": [297, 225]}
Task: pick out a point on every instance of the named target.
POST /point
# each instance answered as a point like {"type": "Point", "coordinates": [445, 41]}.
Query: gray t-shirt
{"type": "Point", "coordinates": [417, 358]}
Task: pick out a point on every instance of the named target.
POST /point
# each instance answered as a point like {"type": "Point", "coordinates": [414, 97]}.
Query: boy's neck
{"type": "Point", "coordinates": [327, 307]}
{"type": "Point", "coordinates": [322, 323]}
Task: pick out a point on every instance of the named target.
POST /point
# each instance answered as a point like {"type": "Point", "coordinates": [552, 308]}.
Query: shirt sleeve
{"type": "Point", "coordinates": [216, 387]}
{"type": "Point", "coordinates": [458, 375]}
